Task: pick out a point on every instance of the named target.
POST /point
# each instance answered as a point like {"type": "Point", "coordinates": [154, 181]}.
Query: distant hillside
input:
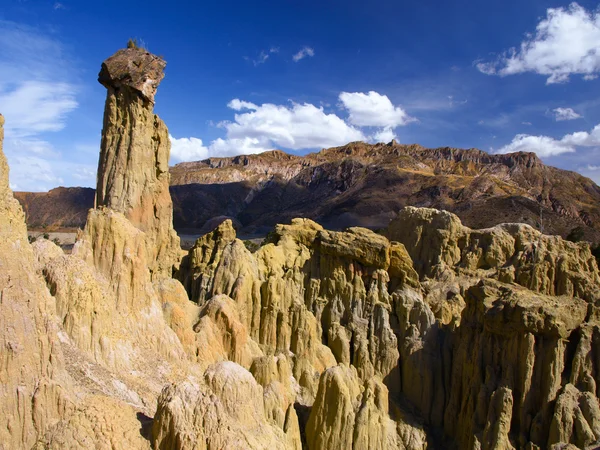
{"type": "Point", "coordinates": [365, 185]}
{"type": "Point", "coordinates": [59, 208]}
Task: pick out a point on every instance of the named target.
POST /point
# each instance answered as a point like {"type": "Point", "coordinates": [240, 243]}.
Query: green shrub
{"type": "Point", "coordinates": [251, 246]}
{"type": "Point", "coordinates": [576, 234]}
{"type": "Point", "coordinates": [46, 236]}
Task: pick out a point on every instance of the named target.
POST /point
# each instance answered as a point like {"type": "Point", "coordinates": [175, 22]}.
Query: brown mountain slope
{"type": "Point", "coordinates": [366, 185]}
{"type": "Point", "coordinates": [58, 208]}
{"type": "Point", "coordinates": [362, 184]}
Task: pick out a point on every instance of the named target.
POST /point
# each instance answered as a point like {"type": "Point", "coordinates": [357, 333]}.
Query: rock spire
{"type": "Point", "coordinates": [133, 170]}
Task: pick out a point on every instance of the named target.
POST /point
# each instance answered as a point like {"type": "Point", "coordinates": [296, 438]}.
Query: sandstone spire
{"type": "Point", "coordinates": [133, 170]}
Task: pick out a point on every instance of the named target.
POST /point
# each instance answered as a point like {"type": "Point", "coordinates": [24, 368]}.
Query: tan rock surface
{"type": "Point", "coordinates": [225, 411]}
{"type": "Point", "coordinates": [33, 385]}
{"type": "Point", "coordinates": [133, 172]}
{"type": "Point", "coordinates": [349, 414]}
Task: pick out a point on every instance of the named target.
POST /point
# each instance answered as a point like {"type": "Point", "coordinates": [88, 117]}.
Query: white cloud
{"type": "Point", "coordinates": [542, 145]}
{"type": "Point", "coordinates": [36, 166]}
{"type": "Point", "coordinates": [263, 56]}
{"type": "Point", "coordinates": [373, 110]}
{"type": "Point", "coordinates": [385, 135]}
{"type": "Point", "coordinates": [258, 128]}
{"type": "Point", "coordinates": [188, 149]}
{"type": "Point", "coordinates": [583, 138]}
{"type": "Point", "coordinates": [303, 53]}
{"type": "Point", "coordinates": [452, 102]}
{"type": "Point", "coordinates": [545, 146]}
{"type": "Point", "coordinates": [565, 43]}
{"type": "Point", "coordinates": [32, 146]}
{"type": "Point", "coordinates": [34, 107]}
{"type": "Point", "coordinates": [34, 173]}
{"type": "Point", "coordinates": [238, 105]}
{"type": "Point", "coordinates": [561, 114]}
{"type": "Point", "coordinates": [33, 103]}
{"type": "Point", "coordinates": [298, 126]}
{"type": "Point", "coordinates": [261, 59]}
{"type": "Point", "coordinates": [245, 146]}
{"type": "Point", "coordinates": [193, 149]}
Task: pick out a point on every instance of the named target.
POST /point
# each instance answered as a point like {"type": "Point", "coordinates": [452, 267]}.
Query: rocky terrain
{"type": "Point", "coordinates": [363, 185]}
{"type": "Point", "coordinates": [430, 335]}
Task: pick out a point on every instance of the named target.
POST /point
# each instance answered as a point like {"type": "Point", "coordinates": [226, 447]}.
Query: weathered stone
{"type": "Point", "coordinates": [133, 68]}
{"type": "Point", "coordinates": [34, 389]}
{"type": "Point", "coordinates": [226, 411]}
{"type": "Point", "coordinates": [133, 172]}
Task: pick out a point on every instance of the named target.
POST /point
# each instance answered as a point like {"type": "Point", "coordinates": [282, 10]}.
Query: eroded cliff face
{"type": "Point", "coordinates": [432, 336]}
{"type": "Point", "coordinates": [33, 384]}
{"type": "Point", "coordinates": [485, 337]}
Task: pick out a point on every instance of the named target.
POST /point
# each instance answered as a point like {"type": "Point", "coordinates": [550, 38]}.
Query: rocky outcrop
{"type": "Point", "coordinates": [350, 415]}
{"type": "Point", "coordinates": [33, 385]}
{"type": "Point", "coordinates": [228, 413]}
{"type": "Point", "coordinates": [133, 172]}
{"type": "Point", "coordinates": [112, 290]}
{"type": "Point", "coordinates": [513, 253]}
{"type": "Point", "coordinates": [307, 287]}
{"type": "Point", "coordinates": [457, 345]}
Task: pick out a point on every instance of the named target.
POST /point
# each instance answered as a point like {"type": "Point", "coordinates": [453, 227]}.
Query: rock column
{"type": "Point", "coordinates": [133, 170]}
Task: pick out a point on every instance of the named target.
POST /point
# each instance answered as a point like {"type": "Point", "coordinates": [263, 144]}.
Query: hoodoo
{"type": "Point", "coordinates": [133, 171]}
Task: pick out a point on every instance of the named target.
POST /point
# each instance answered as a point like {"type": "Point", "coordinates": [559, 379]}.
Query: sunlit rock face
{"type": "Point", "coordinates": [33, 385]}
{"type": "Point", "coordinates": [483, 336]}
{"type": "Point", "coordinates": [428, 335]}
{"type": "Point", "coordinates": [133, 171]}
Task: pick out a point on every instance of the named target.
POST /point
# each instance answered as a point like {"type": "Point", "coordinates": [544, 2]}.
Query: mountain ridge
{"type": "Point", "coordinates": [360, 185]}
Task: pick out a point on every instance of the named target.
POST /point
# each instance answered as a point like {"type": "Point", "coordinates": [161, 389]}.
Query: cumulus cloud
{"type": "Point", "coordinates": [385, 135]}
{"type": "Point", "coordinates": [545, 146]}
{"type": "Point", "coordinates": [561, 114]}
{"type": "Point", "coordinates": [565, 43]}
{"type": "Point", "coordinates": [258, 128]}
{"type": "Point", "coordinates": [297, 126]}
{"type": "Point", "coordinates": [542, 145]}
{"type": "Point", "coordinates": [373, 110]}
{"type": "Point", "coordinates": [303, 53]}
{"type": "Point", "coordinates": [187, 149]}
{"type": "Point", "coordinates": [237, 105]}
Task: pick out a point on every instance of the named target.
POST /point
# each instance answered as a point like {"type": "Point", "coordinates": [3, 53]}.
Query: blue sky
{"type": "Point", "coordinates": [245, 77]}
